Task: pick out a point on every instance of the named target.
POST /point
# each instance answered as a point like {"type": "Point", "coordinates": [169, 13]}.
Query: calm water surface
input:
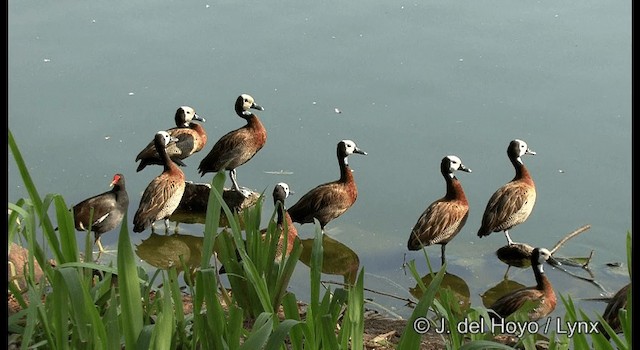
{"type": "Point", "coordinates": [91, 82]}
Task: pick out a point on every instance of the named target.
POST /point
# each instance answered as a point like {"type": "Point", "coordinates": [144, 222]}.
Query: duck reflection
{"type": "Point", "coordinates": [184, 252]}
{"type": "Point", "coordinates": [453, 282]}
{"type": "Point", "coordinates": [502, 288]}
{"type": "Point", "coordinates": [337, 258]}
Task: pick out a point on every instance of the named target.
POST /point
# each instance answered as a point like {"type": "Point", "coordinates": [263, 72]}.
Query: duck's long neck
{"type": "Point", "coordinates": [280, 212]}
{"type": "Point", "coordinates": [522, 174]}
{"type": "Point", "coordinates": [345, 171]}
{"type": "Point", "coordinates": [454, 189]}
{"type": "Point", "coordinates": [168, 164]}
{"type": "Point", "coordinates": [542, 283]}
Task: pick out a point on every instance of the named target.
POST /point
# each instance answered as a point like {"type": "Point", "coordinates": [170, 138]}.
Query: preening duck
{"type": "Point", "coordinates": [191, 139]}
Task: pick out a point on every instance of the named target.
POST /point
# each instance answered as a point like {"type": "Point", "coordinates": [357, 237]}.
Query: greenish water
{"type": "Point", "coordinates": [91, 82]}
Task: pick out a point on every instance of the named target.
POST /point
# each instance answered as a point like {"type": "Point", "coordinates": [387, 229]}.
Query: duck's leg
{"type": "Point", "coordinates": [442, 259]}
{"type": "Point", "coordinates": [100, 248]}
{"type": "Point", "coordinates": [506, 233]}
{"type": "Point", "coordinates": [232, 175]}
{"type": "Point", "coordinates": [166, 226]}
{"type": "Point", "coordinates": [236, 187]}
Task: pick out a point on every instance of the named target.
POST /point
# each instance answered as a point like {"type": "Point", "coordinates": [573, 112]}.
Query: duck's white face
{"type": "Point", "coordinates": [456, 164]}
{"type": "Point", "coordinates": [247, 102]}
{"type": "Point", "coordinates": [166, 137]}
{"type": "Point", "coordinates": [350, 146]}
{"type": "Point", "coordinates": [523, 148]}
{"type": "Point", "coordinates": [545, 254]}
{"type": "Point", "coordinates": [285, 188]}
{"type": "Point", "coordinates": [189, 113]}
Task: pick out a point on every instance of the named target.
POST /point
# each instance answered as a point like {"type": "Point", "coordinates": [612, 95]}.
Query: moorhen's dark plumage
{"type": "Point", "coordinates": [330, 200]}
{"type": "Point", "coordinates": [108, 210]}
{"type": "Point", "coordinates": [512, 203]}
{"type": "Point", "coordinates": [444, 218]}
{"type": "Point", "coordinates": [542, 293]}
{"type": "Point", "coordinates": [238, 146]}
{"type": "Point", "coordinates": [163, 194]}
{"type": "Point", "coordinates": [191, 139]}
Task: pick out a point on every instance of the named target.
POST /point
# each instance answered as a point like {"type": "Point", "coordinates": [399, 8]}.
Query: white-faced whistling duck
{"type": "Point", "coordinates": [163, 194]}
{"type": "Point", "coordinates": [444, 218]}
{"type": "Point", "coordinates": [329, 200]}
{"type": "Point", "coordinates": [542, 293]}
{"type": "Point", "coordinates": [280, 193]}
{"type": "Point", "coordinates": [512, 203]}
{"type": "Point", "coordinates": [108, 210]}
{"type": "Point", "coordinates": [238, 146]}
{"type": "Point", "coordinates": [191, 139]}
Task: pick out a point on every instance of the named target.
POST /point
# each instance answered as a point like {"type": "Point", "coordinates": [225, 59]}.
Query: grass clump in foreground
{"type": "Point", "coordinates": [68, 307]}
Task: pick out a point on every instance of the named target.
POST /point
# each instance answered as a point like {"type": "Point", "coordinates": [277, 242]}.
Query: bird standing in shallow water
{"type": "Point", "coordinates": [330, 200]}
{"type": "Point", "coordinates": [238, 146]}
{"type": "Point", "coordinates": [163, 194]}
{"type": "Point", "coordinates": [108, 210]}
{"type": "Point", "coordinates": [542, 293]}
{"type": "Point", "coordinates": [512, 203]}
{"type": "Point", "coordinates": [444, 218]}
{"type": "Point", "coordinates": [191, 139]}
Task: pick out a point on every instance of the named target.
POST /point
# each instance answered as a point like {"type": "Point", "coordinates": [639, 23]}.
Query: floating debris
{"type": "Point", "coordinates": [280, 172]}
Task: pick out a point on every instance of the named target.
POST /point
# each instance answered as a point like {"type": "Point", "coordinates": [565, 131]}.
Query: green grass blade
{"type": "Point", "coordinates": [290, 307]}
{"type": "Point", "coordinates": [212, 220]}
{"type": "Point", "coordinates": [411, 339]}
{"type": "Point", "coordinates": [110, 320]}
{"type": "Point", "coordinates": [276, 340]}
{"type": "Point", "coordinates": [260, 333]}
{"type": "Point", "coordinates": [164, 327]}
{"type": "Point", "coordinates": [130, 296]}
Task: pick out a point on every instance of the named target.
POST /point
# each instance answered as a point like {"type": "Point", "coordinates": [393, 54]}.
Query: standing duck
{"type": "Point", "coordinates": [444, 218]}
{"type": "Point", "coordinates": [330, 200]}
{"type": "Point", "coordinates": [191, 139]}
{"type": "Point", "coordinates": [542, 293]}
{"type": "Point", "coordinates": [238, 146]}
{"type": "Point", "coordinates": [512, 203]}
{"type": "Point", "coordinates": [108, 210]}
{"type": "Point", "coordinates": [163, 194]}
